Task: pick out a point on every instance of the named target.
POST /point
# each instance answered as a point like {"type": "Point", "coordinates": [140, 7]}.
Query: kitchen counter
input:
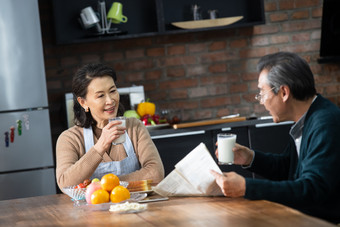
{"type": "Point", "coordinates": [170, 130]}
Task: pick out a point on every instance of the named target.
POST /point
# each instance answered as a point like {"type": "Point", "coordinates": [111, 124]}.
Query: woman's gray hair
{"type": "Point", "coordinates": [285, 68]}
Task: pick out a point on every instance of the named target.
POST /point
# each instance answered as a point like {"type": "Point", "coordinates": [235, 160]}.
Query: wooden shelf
{"type": "Point", "coordinates": [208, 23]}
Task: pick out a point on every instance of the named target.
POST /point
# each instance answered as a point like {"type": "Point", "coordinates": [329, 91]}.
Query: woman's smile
{"type": "Point", "coordinates": [110, 110]}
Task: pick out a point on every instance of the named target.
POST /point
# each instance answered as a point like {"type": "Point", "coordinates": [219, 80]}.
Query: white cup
{"type": "Point", "coordinates": [88, 17]}
{"type": "Point", "coordinates": [212, 13]}
{"type": "Point", "coordinates": [120, 139]}
{"type": "Point", "coordinates": [226, 142]}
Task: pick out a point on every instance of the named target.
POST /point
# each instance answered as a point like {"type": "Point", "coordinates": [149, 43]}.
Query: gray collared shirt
{"type": "Point", "coordinates": [296, 131]}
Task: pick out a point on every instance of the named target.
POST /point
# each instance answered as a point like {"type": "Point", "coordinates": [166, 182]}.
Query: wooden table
{"type": "Point", "coordinates": [58, 210]}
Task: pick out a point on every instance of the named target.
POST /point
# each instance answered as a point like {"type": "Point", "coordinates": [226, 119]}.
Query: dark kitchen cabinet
{"type": "Point", "coordinates": [149, 17]}
{"type": "Point", "coordinates": [175, 146]}
{"type": "Point", "coordinates": [265, 137]}
{"type": "Point", "coordinates": [172, 147]}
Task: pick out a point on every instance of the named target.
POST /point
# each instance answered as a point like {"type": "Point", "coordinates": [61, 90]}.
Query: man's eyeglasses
{"type": "Point", "coordinates": [260, 97]}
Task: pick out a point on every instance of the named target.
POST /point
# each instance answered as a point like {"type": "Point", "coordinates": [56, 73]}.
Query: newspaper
{"type": "Point", "coordinates": [191, 176]}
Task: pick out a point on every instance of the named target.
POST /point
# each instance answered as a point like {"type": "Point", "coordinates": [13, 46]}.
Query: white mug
{"type": "Point", "coordinates": [212, 13]}
{"type": "Point", "coordinates": [122, 137]}
{"type": "Point", "coordinates": [88, 17]}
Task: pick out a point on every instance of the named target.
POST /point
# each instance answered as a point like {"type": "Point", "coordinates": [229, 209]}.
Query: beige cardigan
{"type": "Point", "coordinates": [74, 165]}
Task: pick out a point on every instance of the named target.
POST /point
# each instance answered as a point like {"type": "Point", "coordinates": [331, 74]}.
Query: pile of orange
{"type": "Point", "coordinates": [109, 182]}
{"type": "Point", "coordinates": [119, 194]}
{"type": "Point", "coordinates": [110, 190]}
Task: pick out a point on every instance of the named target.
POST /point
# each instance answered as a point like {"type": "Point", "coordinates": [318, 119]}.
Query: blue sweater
{"type": "Point", "coordinates": [310, 182]}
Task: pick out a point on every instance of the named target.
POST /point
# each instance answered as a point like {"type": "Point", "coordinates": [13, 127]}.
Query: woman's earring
{"type": "Point", "coordinates": [86, 109]}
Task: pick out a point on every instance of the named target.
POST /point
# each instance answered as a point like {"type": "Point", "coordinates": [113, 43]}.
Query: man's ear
{"type": "Point", "coordinates": [285, 92]}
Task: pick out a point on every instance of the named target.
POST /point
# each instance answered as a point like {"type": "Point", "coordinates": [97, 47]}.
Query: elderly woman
{"type": "Point", "coordinates": [86, 151]}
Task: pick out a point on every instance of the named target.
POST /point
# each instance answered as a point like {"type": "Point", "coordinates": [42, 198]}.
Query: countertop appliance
{"type": "Point", "coordinates": [26, 154]}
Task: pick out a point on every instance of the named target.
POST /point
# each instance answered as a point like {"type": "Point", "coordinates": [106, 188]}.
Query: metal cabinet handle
{"type": "Point", "coordinates": [178, 134]}
{"type": "Point", "coordinates": [274, 124]}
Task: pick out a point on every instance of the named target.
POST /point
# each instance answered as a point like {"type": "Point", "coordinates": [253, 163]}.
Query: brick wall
{"type": "Point", "coordinates": [199, 75]}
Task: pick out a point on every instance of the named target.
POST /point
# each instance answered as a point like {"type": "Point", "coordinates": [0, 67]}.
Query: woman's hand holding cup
{"type": "Point", "coordinates": [120, 130]}
{"type": "Point", "coordinates": [110, 133]}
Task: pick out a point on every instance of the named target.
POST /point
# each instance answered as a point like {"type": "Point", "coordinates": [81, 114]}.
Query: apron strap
{"type": "Point", "coordinates": [88, 138]}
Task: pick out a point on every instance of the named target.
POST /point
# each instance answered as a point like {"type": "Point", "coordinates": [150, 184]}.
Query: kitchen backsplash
{"type": "Point", "coordinates": [198, 75]}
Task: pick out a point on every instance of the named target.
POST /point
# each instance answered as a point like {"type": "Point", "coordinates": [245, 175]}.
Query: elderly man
{"type": "Point", "coordinates": [306, 175]}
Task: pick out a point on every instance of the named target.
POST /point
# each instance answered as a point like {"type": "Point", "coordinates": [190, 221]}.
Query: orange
{"type": "Point", "coordinates": [119, 194]}
{"type": "Point", "coordinates": [109, 181]}
{"type": "Point", "coordinates": [100, 196]}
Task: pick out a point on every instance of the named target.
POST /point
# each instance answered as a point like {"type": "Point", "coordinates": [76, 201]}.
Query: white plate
{"type": "Point", "coordinates": [146, 191]}
{"type": "Point", "coordinates": [153, 127]}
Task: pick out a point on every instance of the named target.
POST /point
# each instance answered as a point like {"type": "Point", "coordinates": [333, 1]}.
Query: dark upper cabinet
{"type": "Point", "coordinates": [330, 32]}
{"type": "Point", "coordinates": [142, 19]}
{"type": "Point", "coordinates": [149, 17]}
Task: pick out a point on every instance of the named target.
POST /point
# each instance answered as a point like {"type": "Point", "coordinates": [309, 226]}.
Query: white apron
{"type": "Point", "coordinates": [128, 165]}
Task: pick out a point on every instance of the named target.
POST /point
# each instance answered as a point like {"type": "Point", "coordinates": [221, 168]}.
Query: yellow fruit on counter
{"type": "Point", "coordinates": [100, 196]}
{"type": "Point", "coordinates": [119, 194]}
{"type": "Point", "coordinates": [95, 180]}
{"type": "Point", "coordinates": [144, 108]}
{"type": "Point", "coordinates": [109, 181]}
{"type": "Point", "coordinates": [91, 189]}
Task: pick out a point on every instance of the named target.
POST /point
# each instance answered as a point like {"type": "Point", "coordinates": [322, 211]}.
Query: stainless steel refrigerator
{"type": "Point", "coordinates": [26, 154]}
